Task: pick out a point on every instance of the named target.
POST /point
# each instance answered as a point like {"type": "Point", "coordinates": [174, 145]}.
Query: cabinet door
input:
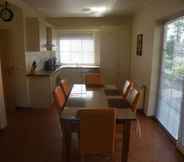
{"type": "Point", "coordinates": [43, 37]}
{"type": "Point", "coordinates": [40, 92]}
{"type": "Point", "coordinates": [49, 38]}
{"type": "Point", "coordinates": [32, 34]}
{"type": "Point", "coordinates": [54, 39]}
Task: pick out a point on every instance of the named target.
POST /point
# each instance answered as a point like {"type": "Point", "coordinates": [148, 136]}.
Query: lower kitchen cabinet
{"type": "Point", "coordinates": [40, 93]}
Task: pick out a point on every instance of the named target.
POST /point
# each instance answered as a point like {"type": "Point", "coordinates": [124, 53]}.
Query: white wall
{"type": "Point", "coordinates": [144, 69]}
{"type": "Point", "coordinates": [39, 57]}
{"type": "Point", "coordinates": [114, 54]}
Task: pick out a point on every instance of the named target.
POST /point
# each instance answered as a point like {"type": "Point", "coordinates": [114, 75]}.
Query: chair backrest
{"type": "Point", "coordinates": [93, 79]}
{"type": "Point", "coordinates": [127, 86]}
{"type": "Point", "coordinates": [133, 98]}
{"type": "Point", "coordinates": [59, 98]}
{"type": "Point", "coordinates": [97, 131]}
{"type": "Point", "coordinates": [65, 87]}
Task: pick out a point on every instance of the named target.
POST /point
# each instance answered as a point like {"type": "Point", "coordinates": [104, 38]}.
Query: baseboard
{"type": "Point", "coordinates": [180, 148]}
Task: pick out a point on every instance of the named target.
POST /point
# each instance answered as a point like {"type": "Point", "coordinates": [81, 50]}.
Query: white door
{"type": "Point", "coordinates": [7, 62]}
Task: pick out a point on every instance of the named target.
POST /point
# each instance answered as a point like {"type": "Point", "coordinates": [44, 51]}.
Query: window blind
{"type": "Point", "coordinates": [77, 48]}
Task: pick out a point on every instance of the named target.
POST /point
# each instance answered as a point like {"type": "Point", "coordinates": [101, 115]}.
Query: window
{"type": "Point", "coordinates": [77, 50]}
{"type": "Point", "coordinates": [172, 77]}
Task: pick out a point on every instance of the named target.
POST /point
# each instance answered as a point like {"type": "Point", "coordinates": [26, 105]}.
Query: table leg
{"type": "Point", "coordinates": [126, 141]}
{"type": "Point", "coordinates": [66, 143]}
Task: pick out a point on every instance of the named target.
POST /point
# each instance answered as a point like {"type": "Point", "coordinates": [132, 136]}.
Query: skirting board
{"type": "Point", "coordinates": [180, 148]}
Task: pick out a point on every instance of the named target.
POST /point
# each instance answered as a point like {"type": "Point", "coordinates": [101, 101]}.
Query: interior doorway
{"type": "Point", "coordinates": [7, 62]}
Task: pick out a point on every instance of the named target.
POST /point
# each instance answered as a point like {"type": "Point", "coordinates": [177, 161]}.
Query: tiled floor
{"type": "Point", "coordinates": [34, 136]}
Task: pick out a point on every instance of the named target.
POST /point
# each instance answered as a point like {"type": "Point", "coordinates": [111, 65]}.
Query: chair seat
{"type": "Point", "coordinates": [112, 92]}
{"type": "Point", "coordinates": [118, 103]}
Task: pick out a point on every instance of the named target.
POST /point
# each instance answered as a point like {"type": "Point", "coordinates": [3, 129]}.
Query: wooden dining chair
{"type": "Point", "coordinates": [131, 101]}
{"type": "Point", "coordinates": [133, 98]}
{"type": "Point", "coordinates": [97, 132]}
{"type": "Point", "coordinates": [59, 98]}
{"type": "Point", "coordinates": [93, 79]}
{"type": "Point", "coordinates": [126, 88]}
{"type": "Point", "coordinates": [65, 86]}
{"type": "Point", "coordinates": [115, 93]}
{"type": "Point", "coordinates": [59, 101]}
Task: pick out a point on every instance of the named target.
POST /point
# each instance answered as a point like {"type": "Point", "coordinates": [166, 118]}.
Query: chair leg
{"type": "Point", "coordinates": [139, 130]}
{"type": "Point", "coordinates": [113, 156]}
{"type": "Point", "coordinates": [82, 158]}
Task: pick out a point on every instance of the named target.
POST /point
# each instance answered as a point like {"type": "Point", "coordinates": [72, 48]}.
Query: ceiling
{"type": "Point", "coordinates": [86, 8]}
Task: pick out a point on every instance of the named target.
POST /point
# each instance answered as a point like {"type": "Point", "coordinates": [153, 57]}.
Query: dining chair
{"type": "Point", "coordinates": [115, 93]}
{"type": "Point", "coordinates": [132, 102]}
{"type": "Point", "coordinates": [59, 98]}
{"type": "Point", "coordinates": [59, 101]}
{"type": "Point", "coordinates": [97, 132]}
{"type": "Point", "coordinates": [134, 99]}
{"type": "Point", "coordinates": [65, 86]}
{"type": "Point", "coordinates": [126, 88]}
{"type": "Point", "coordinates": [93, 79]}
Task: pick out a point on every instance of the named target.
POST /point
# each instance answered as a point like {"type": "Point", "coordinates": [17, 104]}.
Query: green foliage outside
{"type": "Point", "coordinates": [174, 67]}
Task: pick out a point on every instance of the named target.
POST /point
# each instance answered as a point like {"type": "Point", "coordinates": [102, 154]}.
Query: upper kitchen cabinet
{"type": "Point", "coordinates": [51, 39]}
{"type": "Point", "coordinates": [36, 35]}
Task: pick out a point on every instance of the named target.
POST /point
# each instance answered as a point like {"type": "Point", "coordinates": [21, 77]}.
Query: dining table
{"type": "Point", "coordinates": [82, 97]}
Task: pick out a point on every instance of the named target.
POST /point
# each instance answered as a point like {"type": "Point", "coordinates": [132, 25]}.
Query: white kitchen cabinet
{"type": "Point", "coordinates": [51, 39]}
{"type": "Point", "coordinates": [41, 84]}
{"type": "Point", "coordinates": [40, 92]}
{"type": "Point", "coordinates": [36, 35]}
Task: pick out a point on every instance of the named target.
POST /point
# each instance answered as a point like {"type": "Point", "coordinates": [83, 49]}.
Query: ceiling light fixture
{"type": "Point", "coordinates": [101, 9]}
{"type": "Point", "coordinates": [97, 11]}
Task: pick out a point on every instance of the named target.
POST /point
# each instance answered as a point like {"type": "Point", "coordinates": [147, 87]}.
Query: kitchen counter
{"type": "Point", "coordinates": [42, 83]}
{"type": "Point", "coordinates": [44, 73]}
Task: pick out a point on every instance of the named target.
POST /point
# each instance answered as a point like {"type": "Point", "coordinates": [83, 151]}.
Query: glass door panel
{"type": "Point", "coordinates": [171, 76]}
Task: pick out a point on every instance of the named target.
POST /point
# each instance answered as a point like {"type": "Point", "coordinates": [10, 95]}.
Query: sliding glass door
{"type": "Point", "coordinates": [171, 77]}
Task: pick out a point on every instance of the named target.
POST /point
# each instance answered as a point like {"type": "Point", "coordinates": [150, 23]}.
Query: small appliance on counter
{"type": "Point", "coordinates": [50, 64]}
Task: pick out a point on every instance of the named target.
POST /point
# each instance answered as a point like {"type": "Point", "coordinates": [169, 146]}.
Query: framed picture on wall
{"type": "Point", "coordinates": [139, 44]}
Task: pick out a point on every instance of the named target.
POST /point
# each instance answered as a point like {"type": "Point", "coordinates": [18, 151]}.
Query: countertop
{"type": "Point", "coordinates": [44, 73]}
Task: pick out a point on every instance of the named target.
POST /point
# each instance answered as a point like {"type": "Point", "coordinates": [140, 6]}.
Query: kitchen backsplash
{"type": "Point", "coordinates": [39, 57]}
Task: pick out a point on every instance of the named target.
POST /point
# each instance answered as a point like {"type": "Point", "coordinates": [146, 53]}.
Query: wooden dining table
{"type": "Point", "coordinates": [82, 97]}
